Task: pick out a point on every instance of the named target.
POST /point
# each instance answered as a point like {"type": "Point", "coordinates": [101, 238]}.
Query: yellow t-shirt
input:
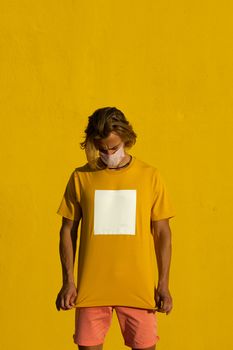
{"type": "Point", "coordinates": [117, 260]}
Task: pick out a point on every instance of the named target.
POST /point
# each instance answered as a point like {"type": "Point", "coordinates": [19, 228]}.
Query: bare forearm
{"type": "Point", "coordinates": [163, 249]}
{"type": "Point", "coordinates": [67, 249]}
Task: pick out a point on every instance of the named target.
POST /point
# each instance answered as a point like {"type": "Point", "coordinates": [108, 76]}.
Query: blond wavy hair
{"type": "Point", "coordinates": [100, 124]}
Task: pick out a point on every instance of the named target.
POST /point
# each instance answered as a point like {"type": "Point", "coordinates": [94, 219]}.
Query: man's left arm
{"type": "Point", "coordinates": [163, 248]}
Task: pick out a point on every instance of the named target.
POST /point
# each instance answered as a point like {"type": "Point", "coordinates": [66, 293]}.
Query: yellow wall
{"type": "Point", "coordinates": [168, 66]}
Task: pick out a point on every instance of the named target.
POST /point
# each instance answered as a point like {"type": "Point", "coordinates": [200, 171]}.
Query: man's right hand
{"type": "Point", "coordinates": [66, 297]}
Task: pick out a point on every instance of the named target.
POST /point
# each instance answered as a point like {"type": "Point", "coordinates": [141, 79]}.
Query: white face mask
{"type": "Point", "coordinates": [112, 160]}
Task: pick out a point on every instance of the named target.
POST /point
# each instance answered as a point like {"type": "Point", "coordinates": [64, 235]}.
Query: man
{"type": "Point", "coordinates": [124, 207]}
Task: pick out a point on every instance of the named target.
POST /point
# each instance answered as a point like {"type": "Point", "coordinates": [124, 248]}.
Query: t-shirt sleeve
{"type": "Point", "coordinates": [162, 207]}
{"type": "Point", "coordinates": [70, 205]}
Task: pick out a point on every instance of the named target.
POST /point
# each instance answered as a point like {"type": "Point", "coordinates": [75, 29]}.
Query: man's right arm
{"type": "Point", "coordinates": [67, 250]}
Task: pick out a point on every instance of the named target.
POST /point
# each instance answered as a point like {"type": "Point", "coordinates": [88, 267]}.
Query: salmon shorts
{"type": "Point", "coordinates": [138, 326]}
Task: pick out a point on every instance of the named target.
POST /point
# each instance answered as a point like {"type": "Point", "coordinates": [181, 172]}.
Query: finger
{"type": "Point", "coordinates": [59, 301]}
{"type": "Point", "coordinates": [72, 299]}
{"type": "Point", "coordinates": [67, 302]}
{"type": "Point", "coordinates": [62, 303]}
{"type": "Point", "coordinates": [167, 308]}
{"type": "Point", "coordinates": [161, 306]}
{"type": "Point", "coordinates": [158, 302]}
{"type": "Point", "coordinates": [167, 303]}
{"type": "Point", "coordinates": [57, 304]}
{"type": "Point", "coordinates": [160, 310]}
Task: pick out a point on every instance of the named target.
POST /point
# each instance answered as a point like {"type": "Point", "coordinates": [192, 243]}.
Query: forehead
{"type": "Point", "coordinates": [112, 140]}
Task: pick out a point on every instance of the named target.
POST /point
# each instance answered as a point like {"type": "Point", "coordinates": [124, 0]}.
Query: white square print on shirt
{"type": "Point", "coordinates": [115, 212]}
